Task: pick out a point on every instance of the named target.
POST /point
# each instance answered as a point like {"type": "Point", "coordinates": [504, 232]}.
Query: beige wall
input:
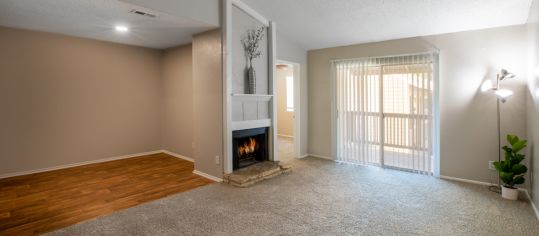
{"type": "Point", "coordinates": [208, 103]}
{"type": "Point", "coordinates": [67, 100]}
{"type": "Point", "coordinates": [177, 100]}
{"type": "Point", "coordinates": [285, 119]}
{"type": "Point", "coordinates": [533, 101]}
{"type": "Point", "coordinates": [468, 127]}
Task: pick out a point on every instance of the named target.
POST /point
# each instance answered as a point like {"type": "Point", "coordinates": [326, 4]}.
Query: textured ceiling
{"type": "Point", "coordinates": [328, 23]}
{"type": "Point", "coordinates": [96, 19]}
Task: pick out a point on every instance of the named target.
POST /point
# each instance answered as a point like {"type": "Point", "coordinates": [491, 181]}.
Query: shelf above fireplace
{"type": "Point", "coordinates": [251, 124]}
{"type": "Point", "coordinates": [251, 97]}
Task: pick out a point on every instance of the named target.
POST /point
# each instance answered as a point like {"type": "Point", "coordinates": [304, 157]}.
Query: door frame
{"type": "Point", "coordinates": [297, 104]}
{"type": "Point", "coordinates": [435, 108]}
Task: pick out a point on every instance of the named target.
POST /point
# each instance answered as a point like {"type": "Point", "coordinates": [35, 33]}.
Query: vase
{"type": "Point", "coordinates": [251, 80]}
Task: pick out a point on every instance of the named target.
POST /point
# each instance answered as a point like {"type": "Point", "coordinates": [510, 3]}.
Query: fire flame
{"type": "Point", "coordinates": [247, 147]}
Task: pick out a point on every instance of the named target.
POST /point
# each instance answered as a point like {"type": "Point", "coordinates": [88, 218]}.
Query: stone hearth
{"type": "Point", "coordinates": [250, 175]}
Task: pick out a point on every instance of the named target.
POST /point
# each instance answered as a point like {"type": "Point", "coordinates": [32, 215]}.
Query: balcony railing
{"type": "Point", "coordinates": [403, 131]}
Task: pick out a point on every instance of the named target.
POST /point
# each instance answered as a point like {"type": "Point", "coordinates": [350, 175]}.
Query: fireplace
{"type": "Point", "coordinates": [250, 146]}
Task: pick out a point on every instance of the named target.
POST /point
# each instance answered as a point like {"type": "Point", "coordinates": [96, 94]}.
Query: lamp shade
{"type": "Point", "coordinates": [503, 93]}
{"type": "Point", "coordinates": [504, 74]}
{"type": "Point", "coordinates": [487, 85]}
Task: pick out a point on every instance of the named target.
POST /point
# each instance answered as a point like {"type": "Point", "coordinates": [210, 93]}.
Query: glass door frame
{"type": "Point", "coordinates": [435, 111]}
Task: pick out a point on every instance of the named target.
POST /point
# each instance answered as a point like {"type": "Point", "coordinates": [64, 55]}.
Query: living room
{"type": "Point", "coordinates": [125, 117]}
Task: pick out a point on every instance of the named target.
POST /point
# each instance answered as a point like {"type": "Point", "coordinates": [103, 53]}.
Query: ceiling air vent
{"type": "Point", "coordinates": [143, 13]}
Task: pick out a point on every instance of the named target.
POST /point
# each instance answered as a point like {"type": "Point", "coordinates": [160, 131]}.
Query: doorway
{"type": "Point", "coordinates": [385, 111]}
{"type": "Point", "coordinates": [287, 99]}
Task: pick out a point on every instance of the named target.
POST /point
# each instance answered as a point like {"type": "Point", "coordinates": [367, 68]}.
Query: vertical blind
{"type": "Point", "coordinates": [385, 111]}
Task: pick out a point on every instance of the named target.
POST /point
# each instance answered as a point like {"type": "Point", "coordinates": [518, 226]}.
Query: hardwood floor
{"type": "Point", "coordinates": [42, 202]}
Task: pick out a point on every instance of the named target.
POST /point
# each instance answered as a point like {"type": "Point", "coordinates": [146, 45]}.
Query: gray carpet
{"type": "Point", "coordinates": [321, 197]}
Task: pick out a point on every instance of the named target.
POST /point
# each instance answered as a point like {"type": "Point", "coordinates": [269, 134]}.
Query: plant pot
{"type": "Point", "coordinates": [251, 80]}
{"type": "Point", "coordinates": [509, 193]}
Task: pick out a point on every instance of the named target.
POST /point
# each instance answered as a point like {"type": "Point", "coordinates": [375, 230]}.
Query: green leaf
{"type": "Point", "coordinates": [517, 159]}
{"type": "Point", "coordinates": [519, 145]}
{"type": "Point", "coordinates": [507, 177]}
{"type": "Point", "coordinates": [519, 180]}
{"type": "Point", "coordinates": [512, 139]}
{"type": "Point", "coordinates": [498, 166]}
{"type": "Point", "coordinates": [507, 167]}
{"type": "Point", "coordinates": [519, 169]}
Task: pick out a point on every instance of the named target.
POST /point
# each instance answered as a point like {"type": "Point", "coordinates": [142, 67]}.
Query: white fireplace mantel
{"type": "Point", "coordinates": [251, 124]}
{"type": "Point", "coordinates": [251, 97]}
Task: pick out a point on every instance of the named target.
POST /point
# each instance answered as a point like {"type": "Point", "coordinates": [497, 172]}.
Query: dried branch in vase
{"type": "Point", "coordinates": [251, 43]}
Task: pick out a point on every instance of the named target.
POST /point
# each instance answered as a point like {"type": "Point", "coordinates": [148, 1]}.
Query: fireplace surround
{"type": "Point", "coordinates": [250, 146]}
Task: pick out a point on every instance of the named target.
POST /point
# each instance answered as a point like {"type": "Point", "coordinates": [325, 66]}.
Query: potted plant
{"type": "Point", "coordinates": [510, 170]}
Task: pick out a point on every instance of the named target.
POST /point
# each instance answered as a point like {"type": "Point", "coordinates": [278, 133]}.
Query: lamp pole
{"type": "Point", "coordinates": [502, 95]}
{"type": "Point", "coordinates": [499, 136]}
{"type": "Point", "coordinates": [499, 125]}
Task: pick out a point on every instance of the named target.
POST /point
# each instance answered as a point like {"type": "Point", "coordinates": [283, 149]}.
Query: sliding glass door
{"type": "Point", "coordinates": [385, 111]}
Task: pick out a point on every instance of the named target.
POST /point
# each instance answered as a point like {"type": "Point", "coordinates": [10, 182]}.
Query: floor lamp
{"type": "Point", "coordinates": [502, 95]}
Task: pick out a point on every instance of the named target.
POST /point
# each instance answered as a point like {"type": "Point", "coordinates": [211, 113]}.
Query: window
{"type": "Point", "coordinates": [290, 93]}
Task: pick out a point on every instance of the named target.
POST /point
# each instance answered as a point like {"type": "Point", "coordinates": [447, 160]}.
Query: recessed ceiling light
{"type": "Point", "coordinates": [121, 28]}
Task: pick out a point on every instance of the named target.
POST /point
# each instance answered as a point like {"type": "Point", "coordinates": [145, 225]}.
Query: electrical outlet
{"type": "Point", "coordinates": [217, 159]}
{"type": "Point", "coordinates": [193, 145]}
{"type": "Point", "coordinates": [491, 165]}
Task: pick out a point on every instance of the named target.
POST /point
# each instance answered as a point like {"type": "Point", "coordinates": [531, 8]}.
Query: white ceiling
{"type": "Point", "coordinates": [311, 23]}
{"type": "Point", "coordinates": [96, 19]}
{"type": "Point", "coordinates": [326, 23]}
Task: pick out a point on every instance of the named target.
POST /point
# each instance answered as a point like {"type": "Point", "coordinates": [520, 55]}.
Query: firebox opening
{"type": "Point", "coordinates": [250, 147]}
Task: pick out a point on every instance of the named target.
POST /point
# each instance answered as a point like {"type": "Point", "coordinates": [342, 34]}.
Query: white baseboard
{"type": "Point", "coordinates": [207, 176]}
{"type": "Point", "coordinates": [492, 184]}
{"type": "Point", "coordinates": [323, 157]}
{"type": "Point", "coordinates": [284, 135]}
{"type": "Point", "coordinates": [466, 180]}
{"type": "Point", "coordinates": [78, 164]}
{"type": "Point", "coordinates": [178, 155]}
{"type": "Point", "coordinates": [303, 156]}
{"type": "Point", "coordinates": [532, 203]}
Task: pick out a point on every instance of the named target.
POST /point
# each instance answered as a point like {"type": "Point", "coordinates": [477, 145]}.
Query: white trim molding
{"type": "Point", "coordinates": [207, 176]}
{"type": "Point", "coordinates": [272, 88]}
{"type": "Point", "coordinates": [251, 12]}
{"type": "Point", "coordinates": [466, 180]}
{"type": "Point", "coordinates": [79, 164]}
{"type": "Point", "coordinates": [285, 136]}
{"type": "Point", "coordinates": [226, 47]}
{"type": "Point", "coordinates": [250, 124]}
{"type": "Point", "coordinates": [178, 155]}
{"type": "Point", "coordinates": [320, 156]}
{"type": "Point", "coordinates": [492, 184]}
{"type": "Point", "coordinates": [436, 115]}
{"type": "Point", "coordinates": [251, 97]}
{"type": "Point", "coordinates": [532, 203]}
{"type": "Point", "coordinates": [297, 104]}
